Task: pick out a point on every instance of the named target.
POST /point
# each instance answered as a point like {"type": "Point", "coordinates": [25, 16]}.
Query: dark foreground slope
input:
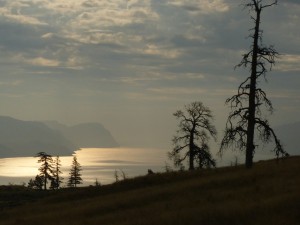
{"type": "Point", "coordinates": [267, 194]}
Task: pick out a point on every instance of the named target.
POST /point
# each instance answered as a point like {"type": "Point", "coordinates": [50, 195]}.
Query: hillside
{"type": "Point", "coordinates": [26, 138]}
{"type": "Point", "coordinates": [85, 135]}
{"type": "Point", "coordinates": [267, 194]}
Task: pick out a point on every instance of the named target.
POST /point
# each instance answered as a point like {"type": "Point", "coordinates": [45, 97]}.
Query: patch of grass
{"type": "Point", "coordinates": [267, 194]}
{"type": "Point", "coordinates": [14, 195]}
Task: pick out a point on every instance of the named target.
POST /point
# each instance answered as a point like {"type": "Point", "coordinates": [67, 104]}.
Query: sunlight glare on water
{"type": "Point", "coordinates": [97, 163]}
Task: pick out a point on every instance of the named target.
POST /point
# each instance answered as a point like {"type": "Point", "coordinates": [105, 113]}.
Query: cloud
{"type": "Point", "coordinates": [177, 91]}
{"type": "Point", "coordinates": [48, 35]}
{"type": "Point", "coordinates": [36, 61]}
{"type": "Point", "coordinates": [87, 16]}
{"type": "Point", "coordinates": [40, 61]}
{"type": "Point", "coordinates": [203, 7]}
{"type": "Point", "coordinates": [102, 56]}
{"type": "Point", "coordinates": [137, 96]}
{"type": "Point", "coordinates": [152, 49]}
{"type": "Point", "coordinates": [13, 83]}
{"type": "Point", "coordinates": [13, 12]}
{"type": "Point", "coordinates": [288, 63]}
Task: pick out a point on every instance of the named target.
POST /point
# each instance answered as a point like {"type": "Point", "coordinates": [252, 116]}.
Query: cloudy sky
{"type": "Point", "coordinates": [130, 64]}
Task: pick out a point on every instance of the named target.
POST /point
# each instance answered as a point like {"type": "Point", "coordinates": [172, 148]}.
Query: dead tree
{"type": "Point", "coordinates": [246, 115]}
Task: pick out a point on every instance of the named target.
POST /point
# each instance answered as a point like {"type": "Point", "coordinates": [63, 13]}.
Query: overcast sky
{"type": "Point", "coordinates": [130, 64]}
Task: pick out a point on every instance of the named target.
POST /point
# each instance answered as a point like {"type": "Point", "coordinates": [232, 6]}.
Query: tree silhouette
{"type": "Point", "coordinates": [195, 130]}
{"type": "Point", "coordinates": [246, 106]}
{"type": "Point", "coordinates": [57, 179]}
{"type": "Point", "coordinates": [46, 168]}
{"type": "Point", "coordinates": [37, 183]}
{"type": "Point", "coordinates": [75, 176]}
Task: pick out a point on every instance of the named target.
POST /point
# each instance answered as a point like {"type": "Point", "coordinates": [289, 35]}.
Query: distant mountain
{"type": "Point", "coordinates": [26, 138]}
{"type": "Point", "coordinates": [289, 135]}
{"type": "Point", "coordinates": [86, 135]}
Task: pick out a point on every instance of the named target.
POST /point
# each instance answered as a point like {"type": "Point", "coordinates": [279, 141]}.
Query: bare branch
{"type": "Point", "coordinates": [246, 106]}
{"type": "Point", "coordinates": [195, 129]}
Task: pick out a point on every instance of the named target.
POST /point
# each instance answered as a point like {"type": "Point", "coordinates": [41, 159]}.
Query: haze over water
{"type": "Point", "coordinates": [97, 163]}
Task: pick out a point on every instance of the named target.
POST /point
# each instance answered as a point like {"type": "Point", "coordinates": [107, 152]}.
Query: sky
{"type": "Point", "coordinates": [130, 64]}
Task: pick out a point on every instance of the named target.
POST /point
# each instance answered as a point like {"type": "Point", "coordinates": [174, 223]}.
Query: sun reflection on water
{"type": "Point", "coordinates": [97, 163]}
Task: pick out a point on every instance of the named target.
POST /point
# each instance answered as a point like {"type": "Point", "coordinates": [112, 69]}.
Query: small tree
{"type": "Point", "coordinates": [46, 168]}
{"type": "Point", "coordinates": [37, 183]}
{"type": "Point", "coordinates": [116, 175]}
{"type": "Point", "coordinates": [246, 105]}
{"type": "Point", "coordinates": [195, 130]}
{"type": "Point", "coordinates": [97, 183]}
{"type": "Point", "coordinates": [75, 176]}
{"type": "Point", "coordinates": [57, 179]}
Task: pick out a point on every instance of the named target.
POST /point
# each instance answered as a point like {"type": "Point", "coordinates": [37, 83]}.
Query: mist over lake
{"type": "Point", "coordinates": [97, 163]}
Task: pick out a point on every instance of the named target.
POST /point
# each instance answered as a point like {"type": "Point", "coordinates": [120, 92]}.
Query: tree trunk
{"type": "Point", "coordinates": [191, 155]}
{"type": "Point", "coordinates": [252, 106]}
{"type": "Point", "coordinates": [45, 181]}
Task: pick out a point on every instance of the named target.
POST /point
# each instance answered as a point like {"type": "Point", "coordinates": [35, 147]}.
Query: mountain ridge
{"type": "Point", "coordinates": [20, 138]}
{"type": "Point", "coordinates": [26, 138]}
{"type": "Point", "coordinates": [86, 135]}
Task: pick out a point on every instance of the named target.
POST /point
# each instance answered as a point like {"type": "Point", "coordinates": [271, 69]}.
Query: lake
{"type": "Point", "coordinates": [97, 163]}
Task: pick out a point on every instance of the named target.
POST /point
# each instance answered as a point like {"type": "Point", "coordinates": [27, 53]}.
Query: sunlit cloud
{"type": "Point", "coordinates": [137, 96]}
{"type": "Point", "coordinates": [194, 76]}
{"type": "Point", "coordinates": [285, 94]}
{"type": "Point", "coordinates": [177, 91]}
{"type": "Point", "coordinates": [40, 61]}
{"type": "Point", "coordinates": [48, 35]}
{"type": "Point", "coordinates": [138, 80]}
{"type": "Point", "coordinates": [287, 63]}
{"type": "Point", "coordinates": [152, 49]}
{"type": "Point", "coordinates": [18, 17]}
{"type": "Point", "coordinates": [204, 6]}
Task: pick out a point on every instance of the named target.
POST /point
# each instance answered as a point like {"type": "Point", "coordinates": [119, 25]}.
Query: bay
{"type": "Point", "coordinates": [97, 163]}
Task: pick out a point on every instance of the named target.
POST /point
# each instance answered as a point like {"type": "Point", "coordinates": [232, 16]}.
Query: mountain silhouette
{"type": "Point", "coordinates": [26, 138]}
{"type": "Point", "coordinates": [85, 135]}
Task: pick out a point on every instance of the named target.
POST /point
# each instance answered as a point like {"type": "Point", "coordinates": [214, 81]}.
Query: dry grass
{"type": "Point", "coordinates": [267, 194]}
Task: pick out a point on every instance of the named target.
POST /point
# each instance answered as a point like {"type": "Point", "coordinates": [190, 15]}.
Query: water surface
{"type": "Point", "coordinates": [97, 163]}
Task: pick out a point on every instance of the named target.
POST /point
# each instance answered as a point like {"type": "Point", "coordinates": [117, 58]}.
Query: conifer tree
{"type": "Point", "coordinates": [57, 179]}
{"type": "Point", "coordinates": [75, 175]}
{"type": "Point", "coordinates": [37, 183]}
{"type": "Point", "coordinates": [46, 168]}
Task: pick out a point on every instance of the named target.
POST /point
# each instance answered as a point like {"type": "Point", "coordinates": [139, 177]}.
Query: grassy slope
{"type": "Point", "coordinates": [267, 194]}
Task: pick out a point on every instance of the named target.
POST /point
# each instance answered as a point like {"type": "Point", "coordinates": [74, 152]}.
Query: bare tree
{"type": "Point", "coordinates": [246, 106]}
{"type": "Point", "coordinates": [195, 130]}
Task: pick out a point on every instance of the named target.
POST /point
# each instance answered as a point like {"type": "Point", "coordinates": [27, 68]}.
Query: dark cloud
{"type": "Point", "coordinates": [20, 37]}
